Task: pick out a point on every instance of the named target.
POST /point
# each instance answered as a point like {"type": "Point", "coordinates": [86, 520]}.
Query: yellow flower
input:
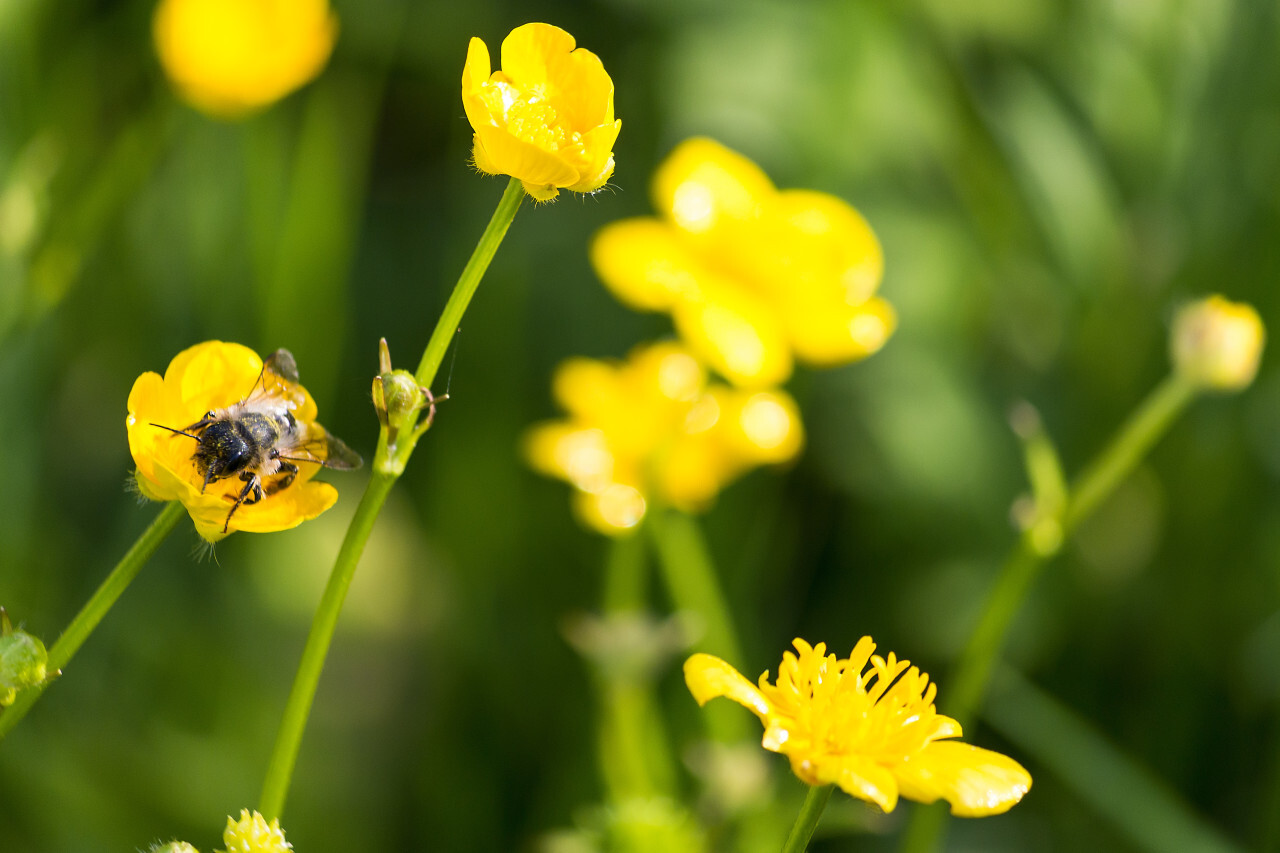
{"type": "Point", "coordinates": [752, 276]}
{"type": "Point", "coordinates": [653, 426]}
{"type": "Point", "coordinates": [231, 57]}
{"type": "Point", "coordinates": [1216, 344]}
{"type": "Point", "coordinates": [872, 731]}
{"type": "Point", "coordinates": [252, 834]}
{"type": "Point", "coordinates": [203, 378]}
{"type": "Point", "coordinates": [546, 117]}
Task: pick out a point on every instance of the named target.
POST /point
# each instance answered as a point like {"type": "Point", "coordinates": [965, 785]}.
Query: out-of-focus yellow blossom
{"type": "Point", "coordinates": [173, 847]}
{"type": "Point", "coordinates": [868, 725]}
{"type": "Point", "coordinates": [231, 57]}
{"type": "Point", "coordinates": [546, 117]}
{"type": "Point", "coordinates": [751, 275]}
{"type": "Point", "coordinates": [653, 427]}
{"type": "Point", "coordinates": [252, 834]}
{"type": "Point", "coordinates": [1216, 344]}
{"type": "Point", "coordinates": [203, 378]}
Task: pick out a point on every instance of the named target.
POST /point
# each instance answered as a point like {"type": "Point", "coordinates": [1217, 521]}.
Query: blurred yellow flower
{"type": "Point", "coordinates": [231, 57]}
{"type": "Point", "coordinates": [751, 275]}
{"type": "Point", "coordinates": [1216, 344]}
{"type": "Point", "coordinates": [874, 732]}
{"type": "Point", "coordinates": [204, 378]}
{"type": "Point", "coordinates": [252, 834]}
{"type": "Point", "coordinates": [546, 117]}
{"type": "Point", "coordinates": [653, 427]}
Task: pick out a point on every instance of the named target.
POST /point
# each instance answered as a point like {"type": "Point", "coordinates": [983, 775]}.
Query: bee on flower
{"type": "Point", "coordinates": [229, 58]}
{"type": "Point", "coordinates": [653, 427]}
{"type": "Point", "coordinates": [753, 277]}
{"type": "Point", "coordinates": [867, 724]}
{"type": "Point", "coordinates": [235, 439]}
{"type": "Point", "coordinates": [546, 117]}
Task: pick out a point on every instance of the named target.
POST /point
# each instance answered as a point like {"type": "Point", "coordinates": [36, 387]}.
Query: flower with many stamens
{"type": "Point", "coordinates": [546, 117]}
{"type": "Point", "coordinates": [867, 724]}
{"type": "Point", "coordinates": [201, 379]}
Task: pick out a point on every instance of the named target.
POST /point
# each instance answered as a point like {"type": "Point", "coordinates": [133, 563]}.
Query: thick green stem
{"type": "Point", "coordinates": [967, 686]}
{"type": "Point", "coordinates": [807, 821]}
{"type": "Point", "coordinates": [692, 583]}
{"type": "Point", "coordinates": [284, 755]}
{"type": "Point", "coordinates": [96, 607]}
{"type": "Point", "coordinates": [468, 282]}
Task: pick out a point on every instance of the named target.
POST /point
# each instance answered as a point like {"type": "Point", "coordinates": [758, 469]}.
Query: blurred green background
{"type": "Point", "coordinates": [1049, 179]}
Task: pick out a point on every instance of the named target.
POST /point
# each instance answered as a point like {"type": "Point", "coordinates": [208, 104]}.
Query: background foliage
{"type": "Point", "coordinates": [1049, 179]}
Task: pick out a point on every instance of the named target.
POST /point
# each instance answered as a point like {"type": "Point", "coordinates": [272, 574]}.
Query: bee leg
{"type": "Point", "coordinates": [250, 494]}
{"type": "Point", "coordinates": [288, 471]}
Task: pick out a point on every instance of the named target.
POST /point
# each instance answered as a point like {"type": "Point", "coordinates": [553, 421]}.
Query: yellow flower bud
{"type": "Point", "coordinates": [173, 847]}
{"type": "Point", "coordinates": [252, 834]}
{"type": "Point", "coordinates": [1216, 344]}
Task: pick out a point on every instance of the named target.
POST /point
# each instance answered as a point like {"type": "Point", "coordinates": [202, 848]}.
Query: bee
{"type": "Point", "coordinates": [260, 441]}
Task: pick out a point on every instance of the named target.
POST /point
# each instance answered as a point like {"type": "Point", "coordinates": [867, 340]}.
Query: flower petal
{"type": "Point", "coordinates": [702, 183]}
{"type": "Point", "coordinates": [835, 333]}
{"type": "Point", "coordinates": [644, 263]}
{"type": "Point", "coordinates": [973, 780]}
{"type": "Point", "coordinates": [531, 50]}
{"type": "Point", "coordinates": [735, 333]}
{"type": "Point", "coordinates": [474, 74]}
{"type": "Point", "coordinates": [709, 676]}
{"type": "Point", "coordinates": [856, 775]}
{"type": "Point", "coordinates": [497, 152]}
{"type": "Point", "coordinates": [596, 163]}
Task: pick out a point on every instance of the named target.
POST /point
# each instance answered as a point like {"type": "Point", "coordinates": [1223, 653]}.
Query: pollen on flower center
{"type": "Point", "coordinates": [530, 118]}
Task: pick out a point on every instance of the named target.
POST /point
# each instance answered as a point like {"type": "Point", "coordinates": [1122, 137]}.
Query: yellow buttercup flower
{"type": "Point", "coordinates": [654, 427]}
{"type": "Point", "coordinates": [252, 834]}
{"type": "Point", "coordinates": [201, 379]}
{"type": "Point", "coordinates": [753, 277]}
{"type": "Point", "coordinates": [867, 724]}
{"type": "Point", "coordinates": [546, 117]}
{"type": "Point", "coordinates": [1217, 344]}
{"type": "Point", "coordinates": [231, 57]}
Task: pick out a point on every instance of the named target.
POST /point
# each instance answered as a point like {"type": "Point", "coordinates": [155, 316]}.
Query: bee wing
{"type": "Point", "coordinates": [313, 444]}
{"type": "Point", "coordinates": [282, 364]}
{"type": "Point", "coordinates": [277, 385]}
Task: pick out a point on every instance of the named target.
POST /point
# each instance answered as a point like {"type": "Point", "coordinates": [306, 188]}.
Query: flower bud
{"type": "Point", "coordinates": [23, 663]}
{"type": "Point", "coordinates": [1216, 344]}
{"type": "Point", "coordinates": [252, 834]}
{"type": "Point", "coordinates": [399, 396]}
{"type": "Point", "coordinates": [172, 847]}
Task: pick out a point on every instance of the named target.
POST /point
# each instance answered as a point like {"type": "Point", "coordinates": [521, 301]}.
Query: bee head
{"type": "Point", "coordinates": [221, 452]}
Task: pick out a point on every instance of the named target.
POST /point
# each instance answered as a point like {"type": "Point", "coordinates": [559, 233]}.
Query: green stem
{"type": "Point", "coordinates": [1143, 429]}
{"type": "Point", "coordinates": [625, 575]}
{"type": "Point", "coordinates": [95, 608]}
{"type": "Point", "coordinates": [284, 755]}
{"type": "Point", "coordinates": [807, 821]}
{"type": "Point", "coordinates": [289, 739]}
{"type": "Point", "coordinates": [468, 282]}
{"type": "Point", "coordinates": [691, 580]}
{"type": "Point", "coordinates": [968, 684]}
{"type": "Point", "coordinates": [693, 586]}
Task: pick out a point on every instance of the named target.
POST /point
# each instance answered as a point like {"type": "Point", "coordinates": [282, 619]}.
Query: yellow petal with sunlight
{"type": "Point", "coordinates": [702, 183]}
{"type": "Point", "coordinates": [975, 781]}
{"type": "Point", "coordinates": [709, 677]}
{"type": "Point", "coordinates": [644, 263]}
